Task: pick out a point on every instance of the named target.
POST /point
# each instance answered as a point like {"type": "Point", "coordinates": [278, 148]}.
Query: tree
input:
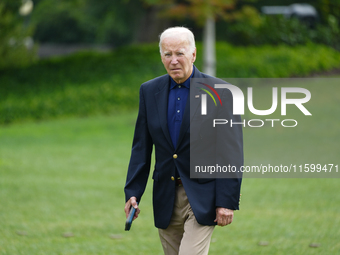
{"type": "Point", "coordinates": [204, 13]}
{"type": "Point", "coordinates": [16, 44]}
{"type": "Point", "coordinates": [87, 21]}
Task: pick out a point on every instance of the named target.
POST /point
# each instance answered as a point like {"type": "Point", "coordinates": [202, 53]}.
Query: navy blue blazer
{"type": "Point", "coordinates": [152, 130]}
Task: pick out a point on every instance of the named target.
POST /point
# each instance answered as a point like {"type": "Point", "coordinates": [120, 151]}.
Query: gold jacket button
{"type": "Point", "coordinates": [172, 178]}
{"type": "Point", "coordinates": [174, 156]}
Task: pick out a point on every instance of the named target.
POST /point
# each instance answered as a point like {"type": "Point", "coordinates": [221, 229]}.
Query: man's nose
{"type": "Point", "coordinates": [174, 60]}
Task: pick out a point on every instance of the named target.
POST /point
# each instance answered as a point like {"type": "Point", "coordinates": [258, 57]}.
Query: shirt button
{"type": "Point", "coordinates": [178, 98]}
{"type": "Point", "coordinates": [178, 111]}
{"type": "Point", "coordinates": [179, 86]}
{"type": "Point", "coordinates": [172, 178]}
{"type": "Point", "coordinates": [174, 156]}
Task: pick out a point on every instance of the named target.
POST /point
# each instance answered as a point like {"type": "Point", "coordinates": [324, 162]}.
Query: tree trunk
{"type": "Point", "coordinates": [209, 52]}
{"type": "Point", "coordinates": [150, 26]}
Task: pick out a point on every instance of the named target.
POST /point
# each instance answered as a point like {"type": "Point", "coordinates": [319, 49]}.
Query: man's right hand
{"type": "Point", "coordinates": [131, 202]}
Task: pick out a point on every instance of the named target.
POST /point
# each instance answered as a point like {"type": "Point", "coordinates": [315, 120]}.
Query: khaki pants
{"type": "Point", "coordinates": [184, 235]}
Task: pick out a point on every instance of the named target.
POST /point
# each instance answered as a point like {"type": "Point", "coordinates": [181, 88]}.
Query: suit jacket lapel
{"type": "Point", "coordinates": [161, 98]}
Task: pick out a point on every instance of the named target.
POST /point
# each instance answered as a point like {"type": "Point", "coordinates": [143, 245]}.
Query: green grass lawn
{"type": "Point", "coordinates": [61, 189]}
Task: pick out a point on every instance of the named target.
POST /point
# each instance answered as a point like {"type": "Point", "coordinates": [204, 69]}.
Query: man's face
{"type": "Point", "coordinates": [177, 58]}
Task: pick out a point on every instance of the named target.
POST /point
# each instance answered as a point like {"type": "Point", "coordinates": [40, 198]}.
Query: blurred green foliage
{"type": "Point", "coordinates": [95, 83]}
{"type": "Point", "coordinates": [86, 21]}
{"type": "Point", "coordinates": [16, 44]}
{"type": "Point", "coordinates": [120, 22]}
{"type": "Point", "coordinates": [82, 84]}
{"type": "Point", "coordinates": [274, 61]}
{"type": "Point", "coordinates": [323, 7]}
{"type": "Point", "coordinates": [251, 28]}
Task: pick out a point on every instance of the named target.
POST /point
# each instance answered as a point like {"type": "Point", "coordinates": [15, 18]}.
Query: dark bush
{"type": "Point", "coordinates": [95, 83]}
{"type": "Point", "coordinates": [275, 30]}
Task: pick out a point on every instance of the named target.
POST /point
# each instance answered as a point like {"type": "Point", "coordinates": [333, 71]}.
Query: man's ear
{"type": "Point", "coordinates": [194, 56]}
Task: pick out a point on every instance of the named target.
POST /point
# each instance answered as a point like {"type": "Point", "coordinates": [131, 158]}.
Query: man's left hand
{"type": "Point", "coordinates": [224, 216]}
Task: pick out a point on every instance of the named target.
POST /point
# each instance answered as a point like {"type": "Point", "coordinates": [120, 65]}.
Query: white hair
{"type": "Point", "coordinates": [178, 31]}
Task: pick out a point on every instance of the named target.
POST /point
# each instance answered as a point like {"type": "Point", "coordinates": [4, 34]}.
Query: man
{"type": "Point", "coordinates": [185, 210]}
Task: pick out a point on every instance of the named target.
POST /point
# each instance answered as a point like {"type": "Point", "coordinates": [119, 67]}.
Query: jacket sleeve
{"type": "Point", "coordinates": [229, 145]}
{"type": "Point", "coordinates": [139, 166]}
